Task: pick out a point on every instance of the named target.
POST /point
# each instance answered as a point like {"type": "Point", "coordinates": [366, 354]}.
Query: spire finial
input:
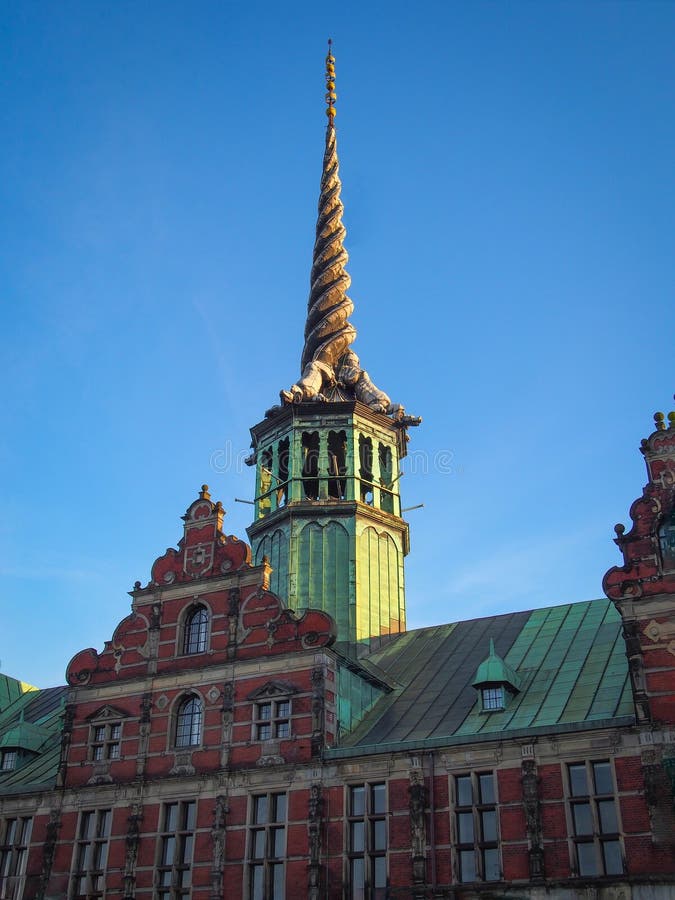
{"type": "Point", "coordinates": [331, 96]}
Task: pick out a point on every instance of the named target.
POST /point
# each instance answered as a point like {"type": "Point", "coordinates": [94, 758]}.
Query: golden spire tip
{"type": "Point", "coordinates": [331, 96]}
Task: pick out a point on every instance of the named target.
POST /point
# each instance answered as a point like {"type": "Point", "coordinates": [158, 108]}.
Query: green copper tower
{"type": "Point", "coordinates": [327, 504]}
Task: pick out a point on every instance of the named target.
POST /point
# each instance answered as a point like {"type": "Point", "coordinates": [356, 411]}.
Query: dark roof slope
{"type": "Point", "coordinates": [570, 659]}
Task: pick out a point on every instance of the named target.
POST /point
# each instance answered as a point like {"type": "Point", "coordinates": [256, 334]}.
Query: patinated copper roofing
{"type": "Point", "coordinates": [33, 714]}
{"type": "Point", "coordinates": [11, 689]}
{"type": "Point", "coordinates": [570, 661]}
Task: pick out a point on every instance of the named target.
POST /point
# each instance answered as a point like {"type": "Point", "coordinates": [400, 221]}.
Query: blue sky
{"type": "Point", "coordinates": [508, 185]}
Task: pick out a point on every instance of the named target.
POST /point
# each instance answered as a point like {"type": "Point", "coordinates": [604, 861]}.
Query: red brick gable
{"type": "Point", "coordinates": [643, 573]}
{"type": "Point", "coordinates": [212, 570]}
{"type": "Point", "coordinates": [643, 589]}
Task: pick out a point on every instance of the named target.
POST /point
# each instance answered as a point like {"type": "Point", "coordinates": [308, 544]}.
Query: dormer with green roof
{"type": "Point", "coordinates": [496, 681]}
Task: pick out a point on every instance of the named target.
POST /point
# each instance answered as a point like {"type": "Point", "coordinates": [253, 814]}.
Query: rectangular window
{"type": "Point", "coordinates": [91, 854]}
{"type": "Point", "coordinates": [8, 760]}
{"type": "Point", "coordinates": [175, 845]}
{"type": "Point", "coordinates": [267, 847]}
{"type": "Point", "coordinates": [367, 841]}
{"type": "Point", "coordinates": [493, 698]}
{"type": "Point", "coordinates": [105, 741]}
{"type": "Point", "coordinates": [476, 833]}
{"type": "Point", "coordinates": [14, 841]}
{"type": "Point", "coordinates": [272, 720]}
{"type": "Point", "coordinates": [595, 824]}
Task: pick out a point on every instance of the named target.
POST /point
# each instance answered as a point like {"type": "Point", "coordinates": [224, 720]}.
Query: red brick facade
{"type": "Point", "coordinates": [216, 738]}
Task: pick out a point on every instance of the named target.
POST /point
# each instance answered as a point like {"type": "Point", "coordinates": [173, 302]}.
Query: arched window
{"type": "Point", "coordinates": [189, 722]}
{"type": "Point", "coordinates": [667, 542]}
{"type": "Point", "coordinates": [196, 633]}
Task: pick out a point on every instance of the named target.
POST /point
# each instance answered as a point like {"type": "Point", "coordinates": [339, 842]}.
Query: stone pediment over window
{"type": "Point", "coordinates": [107, 712]}
{"type": "Point", "coordinates": [273, 689]}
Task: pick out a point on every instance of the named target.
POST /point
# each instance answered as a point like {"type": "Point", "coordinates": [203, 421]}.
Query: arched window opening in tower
{"type": "Point", "coordinates": [366, 469]}
{"type": "Point", "coordinates": [310, 464]}
{"type": "Point", "coordinates": [265, 484]}
{"type": "Point", "coordinates": [189, 722]}
{"type": "Point", "coordinates": [283, 450]}
{"type": "Point", "coordinates": [337, 464]}
{"type": "Point", "coordinates": [386, 479]}
{"type": "Point", "coordinates": [196, 633]}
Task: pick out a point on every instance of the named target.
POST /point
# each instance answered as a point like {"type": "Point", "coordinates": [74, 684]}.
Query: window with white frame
{"type": "Point", "coordinates": [91, 854]}
{"type": "Point", "coordinates": [267, 847]}
{"type": "Point", "coordinates": [14, 842]}
{"type": "Point", "coordinates": [8, 760]}
{"type": "Point", "coordinates": [595, 821]}
{"type": "Point", "coordinates": [476, 834]}
{"type": "Point", "coordinates": [493, 698]}
{"type": "Point", "coordinates": [175, 849]}
{"type": "Point", "coordinates": [272, 719]}
{"type": "Point", "coordinates": [105, 740]}
{"type": "Point", "coordinates": [196, 631]}
{"type": "Point", "coordinates": [367, 841]}
{"type": "Point", "coordinates": [189, 719]}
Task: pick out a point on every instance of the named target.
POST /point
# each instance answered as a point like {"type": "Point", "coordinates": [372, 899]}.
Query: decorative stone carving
{"type": "Point", "coordinates": [636, 671]}
{"type": "Point", "coordinates": [314, 828]}
{"type": "Point", "coordinates": [658, 772]}
{"type": "Point", "coordinates": [131, 850]}
{"type": "Point", "coordinates": [218, 839]}
{"type": "Point", "coordinates": [644, 572]}
{"type": "Point", "coordinates": [232, 623]}
{"type": "Point", "coordinates": [532, 806]}
{"type": "Point", "coordinates": [204, 550]}
{"type": "Point", "coordinates": [66, 735]}
{"type": "Point", "coordinates": [183, 763]}
{"type": "Point", "coordinates": [213, 694]}
{"type": "Point", "coordinates": [48, 850]}
{"type": "Point", "coordinates": [101, 773]}
{"type": "Point", "coordinates": [143, 732]}
{"type": "Point", "coordinates": [152, 647]}
{"type": "Point", "coordinates": [270, 754]}
{"type": "Point", "coordinates": [273, 689]}
{"type": "Point", "coordinates": [418, 829]}
{"type": "Point", "coordinates": [318, 710]}
{"type": "Point", "coordinates": [227, 719]}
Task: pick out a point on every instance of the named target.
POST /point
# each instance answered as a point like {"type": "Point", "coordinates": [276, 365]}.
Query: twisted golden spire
{"type": "Point", "coordinates": [328, 333]}
{"type": "Point", "coordinates": [329, 369]}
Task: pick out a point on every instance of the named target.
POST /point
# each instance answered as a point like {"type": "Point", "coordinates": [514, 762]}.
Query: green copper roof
{"type": "Point", "coordinates": [11, 689]}
{"type": "Point", "coordinates": [32, 723]}
{"type": "Point", "coordinates": [494, 670]}
{"type": "Point", "coordinates": [24, 736]}
{"type": "Point", "coordinates": [570, 661]}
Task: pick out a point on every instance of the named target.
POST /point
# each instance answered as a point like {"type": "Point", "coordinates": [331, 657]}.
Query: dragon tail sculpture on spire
{"type": "Point", "coordinates": [330, 370]}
